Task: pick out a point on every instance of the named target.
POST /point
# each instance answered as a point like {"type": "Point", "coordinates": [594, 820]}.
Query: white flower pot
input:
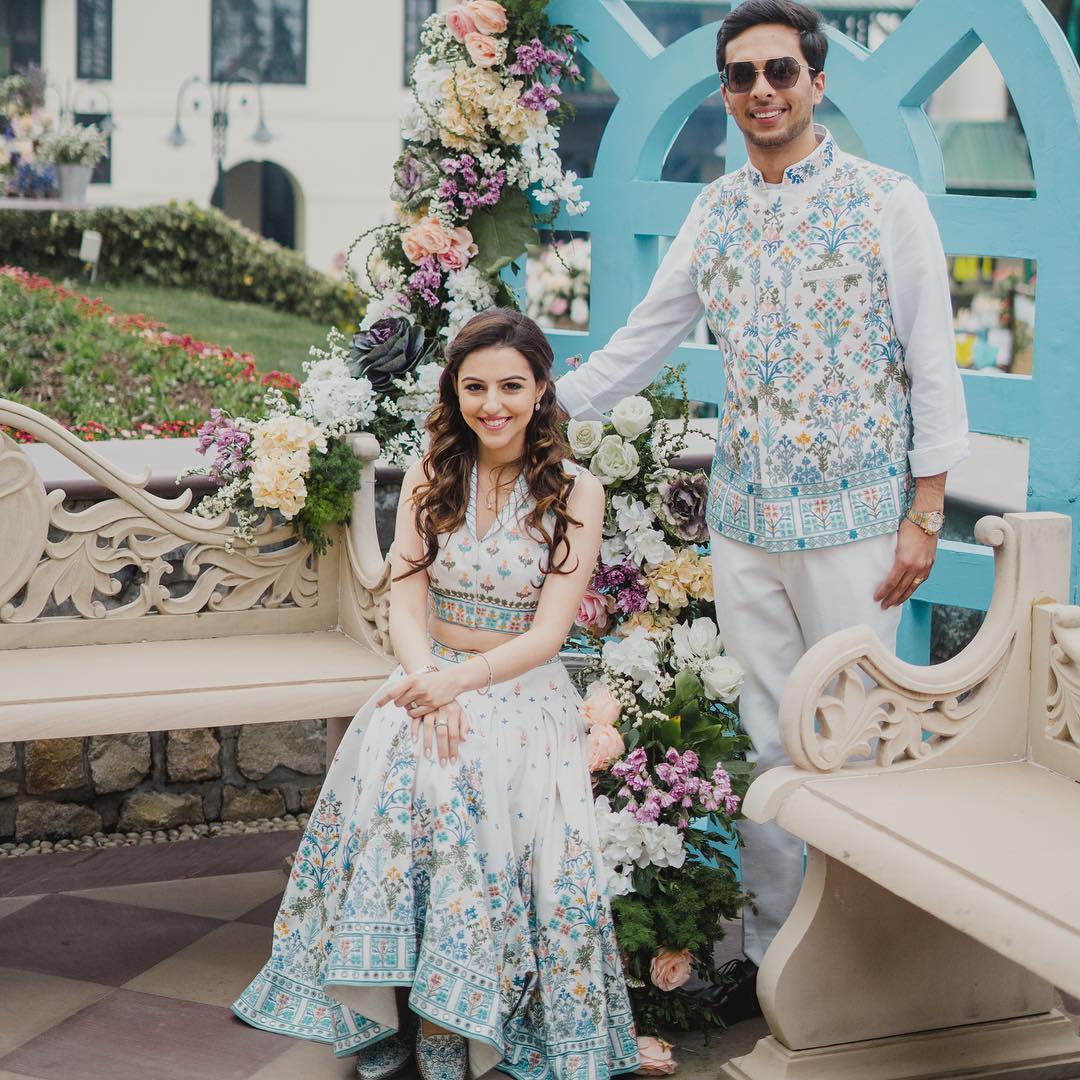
{"type": "Point", "coordinates": [74, 180]}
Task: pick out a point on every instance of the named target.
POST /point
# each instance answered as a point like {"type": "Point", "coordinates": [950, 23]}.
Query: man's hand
{"type": "Point", "coordinates": [915, 554]}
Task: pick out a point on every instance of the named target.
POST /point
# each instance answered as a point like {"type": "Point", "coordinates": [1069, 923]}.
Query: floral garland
{"type": "Point", "coordinates": [663, 742]}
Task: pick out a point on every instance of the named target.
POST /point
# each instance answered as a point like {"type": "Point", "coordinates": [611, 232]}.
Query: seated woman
{"type": "Point", "coordinates": [451, 868]}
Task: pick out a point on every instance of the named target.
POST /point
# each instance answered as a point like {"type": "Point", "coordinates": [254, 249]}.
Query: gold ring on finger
{"type": "Point", "coordinates": [918, 581]}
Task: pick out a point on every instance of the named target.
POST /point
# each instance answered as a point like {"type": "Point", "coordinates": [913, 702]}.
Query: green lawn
{"type": "Point", "coordinates": [279, 341]}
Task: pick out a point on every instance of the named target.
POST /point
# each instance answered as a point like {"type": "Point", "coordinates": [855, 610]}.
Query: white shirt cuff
{"type": "Point", "coordinates": [931, 460]}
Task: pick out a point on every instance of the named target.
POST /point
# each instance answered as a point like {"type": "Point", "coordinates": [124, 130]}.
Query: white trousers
{"type": "Point", "coordinates": [770, 609]}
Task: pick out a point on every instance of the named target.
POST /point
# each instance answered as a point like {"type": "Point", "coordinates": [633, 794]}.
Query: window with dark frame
{"type": "Point", "coordinates": [416, 13]}
{"type": "Point", "coordinates": [93, 42]}
{"type": "Point", "coordinates": [102, 173]}
{"type": "Point", "coordinates": [264, 39]}
{"type": "Point", "coordinates": [20, 35]}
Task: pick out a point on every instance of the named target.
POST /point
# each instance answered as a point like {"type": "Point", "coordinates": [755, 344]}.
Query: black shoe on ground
{"type": "Point", "coordinates": [734, 996]}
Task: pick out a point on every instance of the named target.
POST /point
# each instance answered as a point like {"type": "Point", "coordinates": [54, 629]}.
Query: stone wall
{"type": "Point", "coordinates": [58, 788]}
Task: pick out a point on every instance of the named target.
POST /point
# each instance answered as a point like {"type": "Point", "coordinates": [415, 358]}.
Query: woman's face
{"type": "Point", "coordinates": [498, 394]}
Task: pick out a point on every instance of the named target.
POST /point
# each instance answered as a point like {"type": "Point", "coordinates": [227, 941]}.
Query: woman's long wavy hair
{"type": "Point", "coordinates": [441, 499]}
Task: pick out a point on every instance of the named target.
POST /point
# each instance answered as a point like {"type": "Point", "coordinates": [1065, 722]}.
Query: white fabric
{"type": "Point", "coordinates": [770, 608]}
{"type": "Point", "coordinates": [922, 312]}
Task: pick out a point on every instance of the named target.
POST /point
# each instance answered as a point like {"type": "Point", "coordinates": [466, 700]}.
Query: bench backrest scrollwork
{"type": "Point", "coordinates": [137, 567]}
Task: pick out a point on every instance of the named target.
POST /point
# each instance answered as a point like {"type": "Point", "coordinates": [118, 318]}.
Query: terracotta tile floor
{"type": "Point", "coordinates": [120, 965]}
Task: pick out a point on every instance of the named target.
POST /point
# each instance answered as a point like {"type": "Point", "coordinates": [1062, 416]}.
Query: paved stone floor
{"type": "Point", "coordinates": [120, 965]}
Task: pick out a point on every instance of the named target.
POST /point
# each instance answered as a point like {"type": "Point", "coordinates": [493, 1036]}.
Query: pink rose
{"type": "Point", "coordinates": [461, 251]}
{"type": "Point", "coordinates": [483, 50]}
{"type": "Point", "coordinates": [426, 237]}
{"type": "Point", "coordinates": [670, 968]}
{"type": "Point", "coordinates": [594, 611]}
{"type": "Point", "coordinates": [459, 22]}
{"type": "Point", "coordinates": [558, 306]}
{"type": "Point", "coordinates": [489, 16]}
{"type": "Point", "coordinates": [656, 1057]}
{"type": "Point", "coordinates": [604, 745]}
{"type": "Point", "coordinates": [600, 706]}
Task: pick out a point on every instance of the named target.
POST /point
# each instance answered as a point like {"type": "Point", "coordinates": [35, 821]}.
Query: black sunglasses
{"type": "Point", "coordinates": [781, 73]}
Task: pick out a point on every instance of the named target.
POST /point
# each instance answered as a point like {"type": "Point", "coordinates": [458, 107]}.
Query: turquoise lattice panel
{"type": "Point", "coordinates": [882, 94]}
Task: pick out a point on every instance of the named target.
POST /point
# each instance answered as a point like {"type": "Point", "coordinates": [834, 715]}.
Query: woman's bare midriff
{"type": "Point", "coordinates": [464, 638]}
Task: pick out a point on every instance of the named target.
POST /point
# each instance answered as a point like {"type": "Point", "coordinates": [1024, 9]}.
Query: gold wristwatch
{"type": "Point", "coordinates": [930, 521]}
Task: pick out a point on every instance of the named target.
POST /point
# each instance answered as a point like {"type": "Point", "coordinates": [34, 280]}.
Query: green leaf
{"type": "Point", "coordinates": [503, 233]}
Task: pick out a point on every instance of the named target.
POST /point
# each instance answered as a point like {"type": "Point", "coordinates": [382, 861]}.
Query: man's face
{"type": "Point", "coordinates": [771, 118]}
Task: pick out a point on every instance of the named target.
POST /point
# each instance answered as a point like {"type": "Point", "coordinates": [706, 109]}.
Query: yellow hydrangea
{"type": "Point", "coordinates": [284, 434]}
{"type": "Point", "coordinates": [653, 622]}
{"type": "Point", "coordinates": [674, 582]}
{"type": "Point", "coordinates": [277, 481]}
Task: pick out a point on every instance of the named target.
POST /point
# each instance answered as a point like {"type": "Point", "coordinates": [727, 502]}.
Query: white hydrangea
{"type": "Point", "coordinates": [648, 547]}
{"type": "Point", "coordinates": [631, 514]}
{"type": "Point", "coordinates": [469, 295]}
{"type": "Point", "coordinates": [415, 124]}
{"type": "Point", "coordinates": [429, 77]}
{"type": "Point", "coordinates": [626, 843]}
{"type": "Point", "coordinates": [338, 405]}
{"type": "Point", "coordinates": [636, 656]}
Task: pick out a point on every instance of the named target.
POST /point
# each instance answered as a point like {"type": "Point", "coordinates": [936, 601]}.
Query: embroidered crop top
{"type": "Point", "coordinates": [491, 582]}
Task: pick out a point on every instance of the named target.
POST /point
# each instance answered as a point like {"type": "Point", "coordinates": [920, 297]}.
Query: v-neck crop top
{"type": "Point", "coordinates": [491, 582]}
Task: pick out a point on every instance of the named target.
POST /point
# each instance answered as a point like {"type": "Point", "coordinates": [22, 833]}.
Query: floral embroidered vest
{"type": "Point", "coordinates": [816, 424]}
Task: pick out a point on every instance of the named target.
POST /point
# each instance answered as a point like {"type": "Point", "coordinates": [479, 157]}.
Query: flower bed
{"type": "Point", "coordinates": [104, 375]}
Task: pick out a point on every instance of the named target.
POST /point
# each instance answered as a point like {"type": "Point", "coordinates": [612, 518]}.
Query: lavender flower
{"type": "Point", "coordinates": [222, 434]}
{"type": "Point", "coordinates": [540, 98]}
{"type": "Point", "coordinates": [426, 281]}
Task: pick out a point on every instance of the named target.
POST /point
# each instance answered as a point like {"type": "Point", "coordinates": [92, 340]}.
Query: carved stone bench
{"type": "Point", "coordinates": [941, 812]}
{"type": "Point", "coordinates": [132, 614]}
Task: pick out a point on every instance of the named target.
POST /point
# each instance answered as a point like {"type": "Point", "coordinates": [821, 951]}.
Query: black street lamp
{"type": "Point", "coordinates": [220, 93]}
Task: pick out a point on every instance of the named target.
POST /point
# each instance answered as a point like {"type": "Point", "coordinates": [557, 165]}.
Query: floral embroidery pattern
{"type": "Point", "coordinates": [476, 886]}
{"type": "Point", "coordinates": [812, 446]}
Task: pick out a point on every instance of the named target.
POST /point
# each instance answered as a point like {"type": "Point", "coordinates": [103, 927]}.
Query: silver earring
{"type": "Point", "coordinates": [536, 407]}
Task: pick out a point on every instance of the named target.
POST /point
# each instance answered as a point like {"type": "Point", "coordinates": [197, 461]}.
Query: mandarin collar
{"type": "Point", "coordinates": [818, 161]}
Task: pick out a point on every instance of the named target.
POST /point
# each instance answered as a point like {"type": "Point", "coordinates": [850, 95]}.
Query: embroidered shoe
{"type": "Point", "coordinates": [388, 1056]}
{"type": "Point", "coordinates": [441, 1057]}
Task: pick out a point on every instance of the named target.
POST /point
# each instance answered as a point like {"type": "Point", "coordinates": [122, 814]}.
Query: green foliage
{"type": "Point", "coordinates": [503, 233]}
{"type": "Point", "coordinates": [179, 245]}
{"type": "Point", "coordinates": [683, 908]}
{"type": "Point", "coordinates": [334, 477]}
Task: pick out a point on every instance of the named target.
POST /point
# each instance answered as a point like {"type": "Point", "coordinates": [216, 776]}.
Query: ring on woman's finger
{"type": "Point", "coordinates": [441, 723]}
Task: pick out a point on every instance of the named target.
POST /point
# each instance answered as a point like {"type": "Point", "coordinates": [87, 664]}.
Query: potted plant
{"type": "Point", "coordinates": [74, 150]}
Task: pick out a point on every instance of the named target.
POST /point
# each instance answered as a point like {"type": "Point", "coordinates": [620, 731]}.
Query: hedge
{"type": "Point", "coordinates": [179, 245]}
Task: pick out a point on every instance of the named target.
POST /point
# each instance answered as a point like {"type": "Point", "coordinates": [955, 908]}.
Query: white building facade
{"type": "Point", "coordinates": [332, 74]}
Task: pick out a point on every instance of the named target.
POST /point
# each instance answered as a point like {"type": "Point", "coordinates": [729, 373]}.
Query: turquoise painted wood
{"type": "Point", "coordinates": [882, 93]}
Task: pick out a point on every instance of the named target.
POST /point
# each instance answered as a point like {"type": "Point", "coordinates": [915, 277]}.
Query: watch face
{"type": "Point", "coordinates": [936, 519]}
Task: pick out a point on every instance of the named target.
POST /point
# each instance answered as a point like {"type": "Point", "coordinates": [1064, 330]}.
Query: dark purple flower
{"type": "Point", "coordinates": [388, 350]}
{"type": "Point", "coordinates": [683, 498]}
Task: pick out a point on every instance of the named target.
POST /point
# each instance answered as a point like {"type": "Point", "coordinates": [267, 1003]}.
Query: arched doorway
{"type": "Point", "coordinates": [264, 197]}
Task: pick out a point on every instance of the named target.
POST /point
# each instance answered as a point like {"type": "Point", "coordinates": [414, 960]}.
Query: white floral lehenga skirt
{"type": "Point", "coordinates": [477, 885]}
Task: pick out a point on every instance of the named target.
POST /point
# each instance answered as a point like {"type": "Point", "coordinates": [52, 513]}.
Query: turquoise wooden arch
{"type": "Point", "coordinates": [882, 94]}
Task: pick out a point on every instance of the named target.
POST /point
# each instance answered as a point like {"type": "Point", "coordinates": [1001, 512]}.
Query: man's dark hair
{"type": "Point", "coordinates": [750, 13]}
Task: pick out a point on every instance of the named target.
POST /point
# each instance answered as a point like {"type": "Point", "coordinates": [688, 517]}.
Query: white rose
{"type": "Point", "coordinates": [632, 416]}
{"type": "Point", "coordinates": [584, 436]}
{"type": "Point", "coordinates": [631, 514]}
{"type": "Point", "coordinates": [695, 642]}
{"type": "Point", "coordinates": [723, 678]}
{"type": "Point", "coordinates": [614, 460]}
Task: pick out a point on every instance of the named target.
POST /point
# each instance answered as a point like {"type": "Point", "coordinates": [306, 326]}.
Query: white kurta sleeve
{"type": "Point", "coordinates": [918, 282]}
{"type": "Point", "coordinates": [657, 326]}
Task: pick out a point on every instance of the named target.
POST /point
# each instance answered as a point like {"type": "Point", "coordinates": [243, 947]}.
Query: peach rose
{"type": "Point", "coordinates": [483, 50]}
{"type": "Point", "coordinates": [427, 237]}
{"type": "Point", "coordinates": [656, 1057]}
{"type": "Point", "coordinates": [459, 22]}
{"type": "Point", "coordinates": [670, 968]}
{"type": "Point", "coordinates": [461, 251]}
{"type": "Point", "coordinates": [594, 611]}
{"type": "Point", "coordinates": [604, 746]}
{"type": "Point", "coordinates": [600, 706]}
{"type": "Point", "coordinates": [489, 16]}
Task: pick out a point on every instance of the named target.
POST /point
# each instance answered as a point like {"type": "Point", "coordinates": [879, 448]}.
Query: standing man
{"type": "Point", "coordinates": [824, 282]}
